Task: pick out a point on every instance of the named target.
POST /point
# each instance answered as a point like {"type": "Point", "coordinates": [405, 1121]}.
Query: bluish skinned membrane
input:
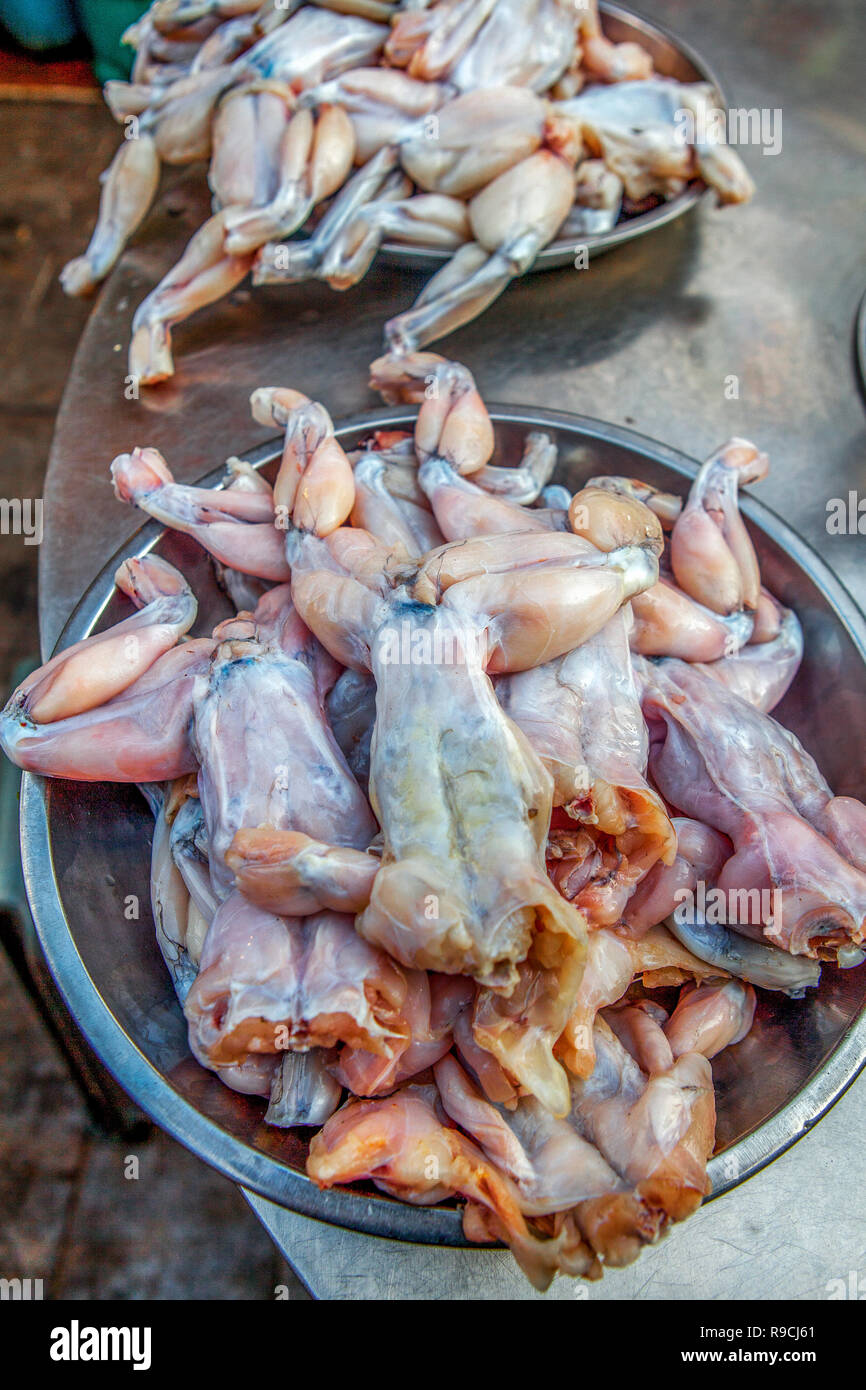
{"type": "Point", "coordinates": [750, 960]}
{"type": "Point", "coordinates": [303, 1091]}
{"type": "Point", "coordinates": [628, 105]}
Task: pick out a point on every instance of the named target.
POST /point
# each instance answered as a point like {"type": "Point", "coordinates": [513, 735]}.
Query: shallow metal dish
{"type": "Point", "coordinates": [671, 58]}
{"type": "Point", "coordinates": [85, 849]}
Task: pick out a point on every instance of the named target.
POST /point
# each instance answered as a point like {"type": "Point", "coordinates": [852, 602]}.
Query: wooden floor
{"type": "Point", "coordinates": [69, 1215]}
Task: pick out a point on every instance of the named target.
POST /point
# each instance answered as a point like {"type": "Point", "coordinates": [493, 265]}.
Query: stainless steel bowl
{"type": "Point", "coordinates": [671, 58]}
{"type": "Point", "coordinates": [86, 849]}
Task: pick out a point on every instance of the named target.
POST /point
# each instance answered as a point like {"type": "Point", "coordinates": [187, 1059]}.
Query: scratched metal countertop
{"type": "Point", "coordinates": [652, 336]}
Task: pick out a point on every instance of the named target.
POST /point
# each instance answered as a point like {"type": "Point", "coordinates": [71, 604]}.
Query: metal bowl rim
{"type": "Point", "coordinates": [561, 253]}
{"type": "Point", "coordinates": [860, 343]}
{"type": "Point", "coordinates": [261, 1172]}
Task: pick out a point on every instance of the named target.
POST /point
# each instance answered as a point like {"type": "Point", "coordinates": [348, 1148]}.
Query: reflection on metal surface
{"type": "Point", "coordinates": [671, 58]}
{"type": "Point", "coordinates": [860, 342]}
{"type": "Point", "coordinates": [86, 848]}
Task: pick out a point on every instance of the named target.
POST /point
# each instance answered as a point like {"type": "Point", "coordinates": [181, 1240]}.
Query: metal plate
{"type": "Point", "coordinates": [671, 58]}
{"type": "Point", "coordinates": [85, 849]}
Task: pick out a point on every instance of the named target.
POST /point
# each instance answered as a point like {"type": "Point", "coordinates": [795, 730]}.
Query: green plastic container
{"type": "Point", "coordinates": [104, 21]}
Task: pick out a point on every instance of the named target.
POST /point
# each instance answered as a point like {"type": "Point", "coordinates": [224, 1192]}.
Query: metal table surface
{"type": "Point", "coordinates": [735, 321]}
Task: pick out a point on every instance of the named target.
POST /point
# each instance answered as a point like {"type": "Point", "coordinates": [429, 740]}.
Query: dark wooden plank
{"type": "Point", "coordinates": [51, 159]}
{"type": "Point", "coordinates": [177, 1231]}
{"type": "Point", "coordinates": [42, 1139]}
{"type": "Point", "coordinates": [26, 440]}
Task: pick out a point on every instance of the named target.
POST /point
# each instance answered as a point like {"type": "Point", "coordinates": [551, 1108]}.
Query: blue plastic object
{"type": "Point", "coordinates": [40, 24]}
